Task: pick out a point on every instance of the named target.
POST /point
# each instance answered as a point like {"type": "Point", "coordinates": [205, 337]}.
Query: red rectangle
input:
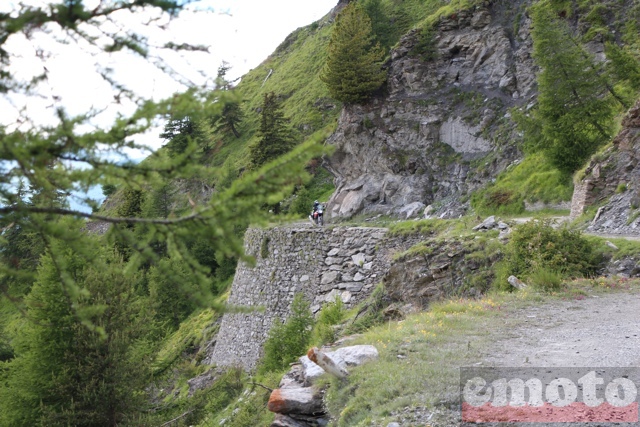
{"type": "Point", "coordinates": [576, 412]}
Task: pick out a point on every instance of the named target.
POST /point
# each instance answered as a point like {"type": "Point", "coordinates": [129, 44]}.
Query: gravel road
{"type": "Point", "coordinates": [600, 331]}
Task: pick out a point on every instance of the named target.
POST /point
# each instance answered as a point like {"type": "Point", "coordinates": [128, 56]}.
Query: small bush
{"type": "Point", "coordinates": [427, 46]}
{"type": "Point", "coordinates": [289, 340]}
{"type": "Point", "coordinates": [621, 188]}
{"type": "Point", "coordinates": [371, 313]}
{"type": "Point", "coordinates": [545, 279]}
{"type": "Point", "coordinates": [332, 314]}
{"type": "Point", "coordinates": [537, 251]}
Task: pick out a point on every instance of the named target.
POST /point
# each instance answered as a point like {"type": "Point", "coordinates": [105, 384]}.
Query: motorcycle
{"type": "Point", "coordinates": [317, 217]}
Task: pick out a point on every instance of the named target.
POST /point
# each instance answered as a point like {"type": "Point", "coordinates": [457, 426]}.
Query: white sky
{"type": "Point", "coordinates": [240, 32]}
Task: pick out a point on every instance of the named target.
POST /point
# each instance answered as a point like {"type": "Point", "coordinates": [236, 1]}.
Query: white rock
{"type": "Point", "coordinates": [356, 354]}
{"type": "Point", "coordinates": [345, 297]}
{"type": "Point", "coordinates": [487, 224]}
{"type": "Point", "coordinates": [358, 259]}
{"type": "Point", "coordinates": [412, 209]}
{"type": "Point", "coordinates": [516, 283]}
{"type": "Point", "coordinates": [310, 370]}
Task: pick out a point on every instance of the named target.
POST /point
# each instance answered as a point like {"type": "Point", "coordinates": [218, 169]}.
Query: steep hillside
{"type": "Point", "coordinates": [443, 128]}
{"type": "Point", "coordinates": [610, 182]}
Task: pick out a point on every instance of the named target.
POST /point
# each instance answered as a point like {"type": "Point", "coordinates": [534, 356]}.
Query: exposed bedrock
{"type": "Point", "coordinates": [443, 128]}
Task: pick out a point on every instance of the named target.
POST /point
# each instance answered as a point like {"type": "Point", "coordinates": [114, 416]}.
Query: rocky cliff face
{"type": "Point", "coordinates": [614, 175]}
{"type": "Point", "coordinates": [443, 127]}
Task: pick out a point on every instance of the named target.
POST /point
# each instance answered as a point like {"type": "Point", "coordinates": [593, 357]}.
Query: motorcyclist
{"type": "Point", "coordinates": [316, 207]}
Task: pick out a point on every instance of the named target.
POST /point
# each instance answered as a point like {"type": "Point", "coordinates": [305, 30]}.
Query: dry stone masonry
{"type": "Point", "coordinates": [322, 264]}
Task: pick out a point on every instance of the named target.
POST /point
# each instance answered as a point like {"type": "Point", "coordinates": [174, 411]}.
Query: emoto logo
{"type": "Point", "coordinates": [549, 395]}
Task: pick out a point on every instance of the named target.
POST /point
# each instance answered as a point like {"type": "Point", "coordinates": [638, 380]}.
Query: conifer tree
{"type": "Point", "coordinates": [179, 133]}
{"type": "Point", "coordinates": [353, 70]}
{"type": "Point", "coordinates": [231, 116]}
{"type": "Point", "coordinates": [574, 114]}
{"type": "Point", "coordinates": [275, 137]}
{"type": "Point", "coordinates": [65, 373]}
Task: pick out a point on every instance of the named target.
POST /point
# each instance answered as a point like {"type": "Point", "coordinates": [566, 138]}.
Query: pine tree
{"type": "Point", "coordinates": [65, 373]}
{"type": "Point", "coordinates": [179, 133]}
{"type": "Point", "coordinates": [575, 109]}
{"type": "Point", "coordinates": [353, 70]}
{"type": "Point", "coordinates": [231, 116]}
{"type": "Point", "coordinates": [275, 138]}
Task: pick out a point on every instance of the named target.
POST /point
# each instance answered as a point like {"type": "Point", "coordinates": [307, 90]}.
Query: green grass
{"type": "Point", "coordinates": [626, 248]}
{"type": "Point", "coordinates": [193, 333]}
{"type": "Point", "coordinates": [532, 180]}
{"type": "Point", "coordinates": [432, 346]}
{"type": "Point", "coordinates": [424, 226]}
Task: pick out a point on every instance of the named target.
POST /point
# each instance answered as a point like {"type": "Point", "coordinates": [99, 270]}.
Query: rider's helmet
{"type": "Point", "coordinates": [316, 203]}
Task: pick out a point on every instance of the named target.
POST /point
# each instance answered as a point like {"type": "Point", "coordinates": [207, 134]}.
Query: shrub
{"type": "Point", "coordinates": [332, 314]}
{"type": "Point", "coordinates": [536, 249]}
{"type": "Point", "coordinates": [289, 340]}
{"type": "Point", "coordinates": [545, 279]}
{"type": "Point", "coordinates": [371, 313]}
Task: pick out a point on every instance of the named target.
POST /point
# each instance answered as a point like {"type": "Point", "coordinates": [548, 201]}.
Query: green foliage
{"type": "Point", "coordinates": [172, 294]}
{"type": "Point", "coordinates": [331, 315]}
{"type": "Point", "coordinates": [426, 48]}
{"type": "Point", "coordinates": [108, 189]}
{"type": "Point", "coordinates": [536, 248]}
{"type": "Point", "coordinates": [575, 110]}
{"type": "Point", "coordinates": [231, 115]}
{"type": "Point", "coordinates": [66, 373]}
{"type": "Point", "coordinates": [289, 340]}
{"type": "Point", "coordinates": [275, 138]}
{"type": "Point", "coordinates": [264, 247]}
{"type": "Point", "coordinates": [624, 66]}
{"type": "Point", "coordinates": [230, 119]}
{"type": "Point", "coordinates": [371, 311]}
{"type": "Point", "coordinates": [545, 279]}
{"type": "Point", "coordinates": [533, 179]}
{"type": "Point", "coordinates": [180, 134]}
{"type": "Point", "coordinates": [389, 21]}
{"type": "Point", "coordinates": [320, 187]}
{"type": "Point", "coordinates": [621, 188]}
{"type": "Point", "coordinates": [423, 226]}
{"type": "Point", "coordinates": [193, 334]}
{"type": "Point", "coordinates": [131, 206]}
{"type": "Point", "coordinates": [353, 71]}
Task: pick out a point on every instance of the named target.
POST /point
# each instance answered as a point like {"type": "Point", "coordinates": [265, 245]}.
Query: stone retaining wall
{"type": "Point", "coordinates": [321, 263]}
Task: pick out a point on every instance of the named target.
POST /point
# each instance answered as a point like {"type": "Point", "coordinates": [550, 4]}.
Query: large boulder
{"type": "Point", "coordinates": [299, 400]}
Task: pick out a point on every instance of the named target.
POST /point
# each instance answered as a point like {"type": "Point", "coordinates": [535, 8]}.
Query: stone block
{"type": "Point", "coordinates": [354, 287]}
{"type": "Point", "coordinates": [329, 277]}
{"type": "Point", "coordinates": [345, 297]}
{"type": "Point", "coordinates": [334, 252]}
{"type": "Point", "coordinates": [302, 400]}
{"type": "Point", "coordinates": [358, 259]}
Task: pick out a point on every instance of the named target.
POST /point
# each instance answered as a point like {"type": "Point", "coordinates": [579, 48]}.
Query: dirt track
{"type": "Point", "coordinates": [599, 330]}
